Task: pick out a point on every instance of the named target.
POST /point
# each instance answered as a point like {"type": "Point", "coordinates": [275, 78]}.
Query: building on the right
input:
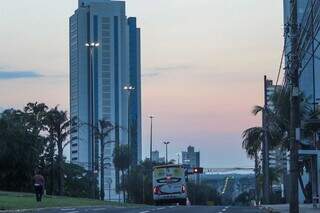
{"type": "Point", "coordinates": [309, 80]}
{"type": "Point", "coordinates": [191, 158]}
{"type": "Point", "coordinates": [309, 75]}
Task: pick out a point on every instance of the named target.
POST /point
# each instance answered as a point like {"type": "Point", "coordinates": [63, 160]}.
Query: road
{"type": "Point", "coordinates": [158, 209]}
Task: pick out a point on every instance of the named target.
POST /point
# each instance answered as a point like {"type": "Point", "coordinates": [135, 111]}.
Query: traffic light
{"type": "Point", "coordinates": [197, 170]}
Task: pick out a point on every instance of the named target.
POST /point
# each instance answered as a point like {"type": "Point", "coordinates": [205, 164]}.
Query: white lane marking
{"type": "Point", "coordinates": [161, 208]}
{"type": "Point", "coordinates": [144, 212]}
{"type": "Point", "coordinates": [73, 212]}
{"type": "Point", "coordinates": [68, 209]}
{"type": "Point", "coordinates": [172, 207]}
{"type": "Point", "coordinates": [99, 209]}
{"type": "Point", "coordinates": [224, 210]}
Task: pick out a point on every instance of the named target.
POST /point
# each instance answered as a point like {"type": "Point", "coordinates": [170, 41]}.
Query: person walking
{"type": "Point", "coordinates": [38, 180]}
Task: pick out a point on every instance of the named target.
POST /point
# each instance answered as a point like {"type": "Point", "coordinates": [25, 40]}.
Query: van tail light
{"type": "Point", "coordinates": [183, 189]}
{"type": "Point", "coordinates": [156, 190]}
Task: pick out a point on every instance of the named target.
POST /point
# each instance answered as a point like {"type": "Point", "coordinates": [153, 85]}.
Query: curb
{"type": "Point", "coordinates": [268, 209]}
{"type": "Point", "coordinates": [51, 208]}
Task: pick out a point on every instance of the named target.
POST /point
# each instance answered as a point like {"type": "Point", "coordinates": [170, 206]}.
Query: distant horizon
{"type": "Point", "coordinates": [203, 64]}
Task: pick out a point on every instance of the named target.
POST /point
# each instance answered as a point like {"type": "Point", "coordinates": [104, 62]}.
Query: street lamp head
{"type": "Point", "coordinates": [129, 88]}
{"type": "Point", "coordinates": [92, 44]}
{"type": "Point", "coordinates": [166, 142]}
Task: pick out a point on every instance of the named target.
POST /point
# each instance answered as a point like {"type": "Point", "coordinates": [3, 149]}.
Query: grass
{"type": "Point", "coordinates": [14, 201]}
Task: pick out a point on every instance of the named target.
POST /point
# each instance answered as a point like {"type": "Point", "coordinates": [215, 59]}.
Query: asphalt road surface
{"type": "Point", "coordinates": [157, 209]}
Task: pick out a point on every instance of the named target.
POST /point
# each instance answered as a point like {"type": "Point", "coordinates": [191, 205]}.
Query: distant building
{"type": "Point", "coordinates": [277, 158]}
{"type": "Point", "coordinates": [270, 89]}
{"type": "Point", "coordinates": [104, 58]}
{"type": "Point", "coordinates": [156, 157]}
{"type": "Point", "coordinates": [191, 158]}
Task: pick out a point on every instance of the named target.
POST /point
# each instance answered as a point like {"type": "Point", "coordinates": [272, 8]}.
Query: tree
{"type": "Point", "coordinates": [102, 132]}
{"type": "Point", "coordinates": [243, 199]}
{"type": "Point", "coordinates": [278, 122]}
{"type": "Point", "coordinates": [252, 141]}
{"type": "Point", "coordinates": [121, 161]}
{"type": "Point", "coordinates": [76, 181]}
{"type": "Point", "coordinates": [19, 153]}
{"type": "Point", "coordinates": [201, 194]}
{"type": "Point", "coordinates": [58, 126]}
{"type": "Point", "coordinates": [35, 114]}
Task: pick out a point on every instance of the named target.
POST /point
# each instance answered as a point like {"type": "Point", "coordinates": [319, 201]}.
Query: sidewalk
{"type": "Point", "coordinates": [304, 208]}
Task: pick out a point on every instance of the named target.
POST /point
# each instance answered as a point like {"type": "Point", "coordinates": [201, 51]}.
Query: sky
{"type": "Point", "coordinates": [203, 63]}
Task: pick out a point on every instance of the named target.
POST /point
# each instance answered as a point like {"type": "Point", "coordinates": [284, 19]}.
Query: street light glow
{"type": "Point", "coordinates": [129, 88]}
{"type": "Point", "coordinates": [92, 44]}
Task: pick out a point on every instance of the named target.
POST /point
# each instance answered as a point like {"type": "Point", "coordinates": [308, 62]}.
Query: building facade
{"type": "Point", "coordinates": [309, 68]}
{"type": "Point", "coordinates": [191, 158]}
{"type": "Point", "coordinates": [309, 81]}
{"type": "Point", "coordinates": [98, 75]}
{"type": "Point", "coordinates": [156, 157]}
{"type": "Point", "coordinates": [277, 159]}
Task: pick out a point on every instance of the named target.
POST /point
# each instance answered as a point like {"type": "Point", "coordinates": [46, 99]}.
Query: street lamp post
{"type": "Point", "coordinates": [166, 143]}
{"type": "Point", "coordinates": [92, 46]}
{"type": "Point", "coordinates": [151, 119]}
{"type": "Point", "coordinates": [178, 154]}
{"type": "Point", "coordinates": [129, 89]}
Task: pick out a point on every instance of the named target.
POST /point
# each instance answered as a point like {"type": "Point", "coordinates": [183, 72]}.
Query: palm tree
{"type": "Point", "coordinates": [277, 127]}
{"type": "Point", "coordinates": [101, 133]}
{"type": "Point", "coordinates": [58, 125]}
{"type": "Point", "coordinates": [121, 160]}
{"type": "Point", "coordinates": [252, 141]}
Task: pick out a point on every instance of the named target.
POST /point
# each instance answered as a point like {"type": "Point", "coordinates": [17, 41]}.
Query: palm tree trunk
{"type": "Point", "coordinates": [102, 170]}
{"type": "Point", "coordinates": [123, 186]}
{"type": "Point", "coordinates": [60, 169]}
{"type": "Point", "coordinates": [256, 172]}
{"type": "Point", "coordinates": [52, 174]}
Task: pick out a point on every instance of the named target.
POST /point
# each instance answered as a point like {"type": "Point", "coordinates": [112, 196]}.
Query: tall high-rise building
{"type": "Point", "coordinates": [191, 158]}
{"type": "Point", "coordinates": [309, 81]}
{"type": "Point", "coordinates": [309, 67]}
{"type": "Point", "coordinates": [104, 58]}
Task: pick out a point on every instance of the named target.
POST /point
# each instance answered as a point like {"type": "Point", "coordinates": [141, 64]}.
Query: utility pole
{"type": "Point", "coordinates": [294, 110]}
{"type": "Point", "coordinates": [166, 143]}
{"type": "Point", "coordinates": [151, 119]}
{"type": "Point", "coordinates": [265, 123]}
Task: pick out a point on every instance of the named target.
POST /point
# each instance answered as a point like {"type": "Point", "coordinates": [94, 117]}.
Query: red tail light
{"type": "Point", "coordinates": [183, 189]}
{"type": "Point", "coordinates": [156, 190]}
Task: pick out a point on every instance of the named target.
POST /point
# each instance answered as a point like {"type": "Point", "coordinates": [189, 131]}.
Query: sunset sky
{"type": "Point", "coordinates": [203, 63]}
